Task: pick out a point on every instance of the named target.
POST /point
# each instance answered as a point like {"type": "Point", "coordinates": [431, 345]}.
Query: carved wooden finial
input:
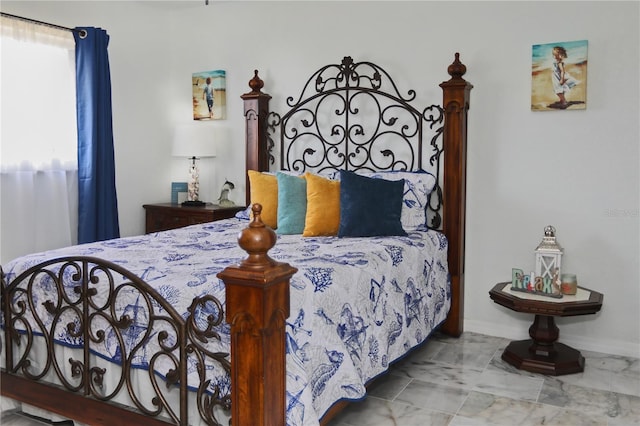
{"type": "Point", "coordinates": [256, 83]}
{"type": "Point", "coordinates": [257, 239]}
{"type": "Point", "coordinates": [457, 69]}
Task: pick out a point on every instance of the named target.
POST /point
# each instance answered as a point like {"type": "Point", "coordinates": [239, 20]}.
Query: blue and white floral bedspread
{"type": "Point", "coordinates": [357, 304]}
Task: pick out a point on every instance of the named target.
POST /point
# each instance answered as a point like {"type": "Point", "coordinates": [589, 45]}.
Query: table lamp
{"type": "Point", "coordinates": [193, 141]}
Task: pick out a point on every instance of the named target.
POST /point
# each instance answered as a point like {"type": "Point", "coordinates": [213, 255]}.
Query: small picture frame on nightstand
{"type": "Point", "coordinates": [178, 192]}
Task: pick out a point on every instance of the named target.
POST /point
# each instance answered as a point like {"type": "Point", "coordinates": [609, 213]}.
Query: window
{"type": "Point", "coordinates": [38, 138]}
{"type": "Point", "coordinates": [38, 95]}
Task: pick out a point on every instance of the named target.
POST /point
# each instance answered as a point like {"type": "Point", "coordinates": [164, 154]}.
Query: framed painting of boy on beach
{"type": "Point", "coordinates": [559, 76]}
{"type": "Point", "coordinates": [209, 93]}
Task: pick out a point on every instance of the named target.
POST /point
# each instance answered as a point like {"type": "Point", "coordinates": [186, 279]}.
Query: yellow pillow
{"type": "Point", "coordinates": [323, 206]}
{"type": "Point", "coordinates": [263, 189]}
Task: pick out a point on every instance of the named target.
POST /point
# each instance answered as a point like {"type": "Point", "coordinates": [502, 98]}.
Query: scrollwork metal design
{"type": "Point", "coordinates": [352, 116]}
{"type": "Point", "coordinates": [200, 330]}
{"type": "Point", "coordinates": [88, 302]}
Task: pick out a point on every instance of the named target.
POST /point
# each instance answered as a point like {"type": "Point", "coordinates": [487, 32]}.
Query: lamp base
{"type": "Point", "coordinates": [194, 203]}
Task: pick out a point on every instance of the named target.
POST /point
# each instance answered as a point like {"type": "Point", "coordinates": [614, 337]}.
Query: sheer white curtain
{"type": "Point", "coordinates": [38, 139]}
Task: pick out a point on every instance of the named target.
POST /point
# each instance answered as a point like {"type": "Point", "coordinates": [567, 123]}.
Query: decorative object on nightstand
{"type": "Point", "coordinates": [549, 256]}
{"type": "Point", "coordinates": [224, 200]}
{"type": "Point", "coordinates": [179, 192]}
{"type": "Point", "coordinates": [569, 285]}
{"type": "Point", "coordinates": [546, 279]}
{"type": "Point", "coordinates": [194, 141]}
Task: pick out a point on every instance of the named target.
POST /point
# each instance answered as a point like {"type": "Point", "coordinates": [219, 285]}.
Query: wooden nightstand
{"type": "Point", "coordinates": [165, 216]}
{"type": "Point", "coordinates": [543, 353]}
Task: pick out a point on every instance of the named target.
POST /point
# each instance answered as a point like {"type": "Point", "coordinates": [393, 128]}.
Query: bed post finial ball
{"type": "Point", "coordinates": [257, 239]}
{"type": "Point", "coordinates": [457, 69]}
{"type": "Point", "coordinates": [256, 83]}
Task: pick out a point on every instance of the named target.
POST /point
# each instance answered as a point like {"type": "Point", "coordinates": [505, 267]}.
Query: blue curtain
{"type": "Point", "coordinates": [97, 201]}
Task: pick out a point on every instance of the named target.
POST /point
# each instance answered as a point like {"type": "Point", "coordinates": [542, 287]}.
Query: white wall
{"type": "Point", "coordinates": [576, 170]}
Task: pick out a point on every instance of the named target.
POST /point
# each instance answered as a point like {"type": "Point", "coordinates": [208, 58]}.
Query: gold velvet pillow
{"type": "Point", "coordinates": [323, 206]}
{"type": "Point", "coordinates": [263, 189]}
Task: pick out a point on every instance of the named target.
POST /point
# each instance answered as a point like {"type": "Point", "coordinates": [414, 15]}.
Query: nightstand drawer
{"type": "Point", "coordinates": [162, 220]}
{"type": "Point", "coordinates": [165, 216]}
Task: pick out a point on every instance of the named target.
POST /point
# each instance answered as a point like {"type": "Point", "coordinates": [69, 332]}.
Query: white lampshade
{"type": "Point", "coordinates": [194, 140]}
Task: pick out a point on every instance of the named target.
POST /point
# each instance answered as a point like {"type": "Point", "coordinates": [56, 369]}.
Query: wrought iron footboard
{"type": "Point", "coordinates": [93, 328]}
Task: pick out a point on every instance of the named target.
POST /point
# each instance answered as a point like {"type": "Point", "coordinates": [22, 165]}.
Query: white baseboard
{"type": "Point", "coordinates": [516, 332]}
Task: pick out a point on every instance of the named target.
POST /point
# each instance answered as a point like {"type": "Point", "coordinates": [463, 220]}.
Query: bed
{"type": "Point", "coordinates": [240, 322]}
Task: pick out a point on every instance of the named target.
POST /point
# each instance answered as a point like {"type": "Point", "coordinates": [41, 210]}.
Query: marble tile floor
{"type": "Point", "coordinates": [463, 382]}
{"type": "Point", "coordinates": [19, 419]}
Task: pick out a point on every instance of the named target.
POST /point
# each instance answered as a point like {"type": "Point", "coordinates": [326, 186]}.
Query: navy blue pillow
{"type": "Point", "coordinates": [370, 207]}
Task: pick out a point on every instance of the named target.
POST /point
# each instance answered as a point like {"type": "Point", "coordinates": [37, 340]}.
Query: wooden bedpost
{"type": "Point", "coordinates": [256, 109]}
{"type": "Point", "coordinates": [456, 103]}
{"type": "Point", "coordinates": [257, 307]}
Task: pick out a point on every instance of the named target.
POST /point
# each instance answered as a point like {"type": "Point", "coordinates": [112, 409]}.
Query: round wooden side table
{"type": "Point", "coordinates": [543, 353]}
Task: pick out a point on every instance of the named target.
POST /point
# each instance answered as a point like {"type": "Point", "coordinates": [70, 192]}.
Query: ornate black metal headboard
{"type": "Point", "coordinates": [351, 116]}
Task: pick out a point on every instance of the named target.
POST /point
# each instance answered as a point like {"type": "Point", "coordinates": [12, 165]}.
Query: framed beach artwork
{"type": "Point", "coordinates": [209, 92]}
{"type": "Point", "coordinates": [559, 76]}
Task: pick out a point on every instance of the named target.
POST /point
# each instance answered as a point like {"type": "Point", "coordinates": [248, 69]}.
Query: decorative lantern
{"type": "Point", "coordinates": [548, 257]}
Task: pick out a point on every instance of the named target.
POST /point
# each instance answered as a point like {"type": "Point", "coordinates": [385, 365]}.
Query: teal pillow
{"type": "Point", "coordinates": [370, 207]}
{"type": "Point", "coordinates": [292, 203]}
